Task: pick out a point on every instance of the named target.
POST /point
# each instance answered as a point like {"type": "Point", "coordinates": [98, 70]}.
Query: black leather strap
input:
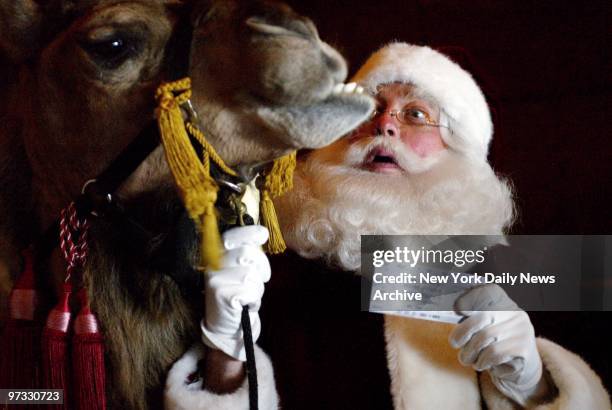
{"type": "Point", "coordinates": [251, 369]}
{"type": "Point", "coordinates": [96, 194]}
{"type": "Point", "coordinates": [178, 49]}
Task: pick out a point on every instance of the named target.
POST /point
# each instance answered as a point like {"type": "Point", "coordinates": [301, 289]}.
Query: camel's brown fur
{"type": "Point", "coordinates": [262, 86]}
{"type": "Point", "coordinates": [146, 314]}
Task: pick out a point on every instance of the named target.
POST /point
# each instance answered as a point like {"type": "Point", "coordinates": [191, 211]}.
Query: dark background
{"type": "Point", "coordinates": [545, 67]}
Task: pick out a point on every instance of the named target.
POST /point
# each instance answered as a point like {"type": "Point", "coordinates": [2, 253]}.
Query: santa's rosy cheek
{"type": "Point", "coordinates": [425, 144]}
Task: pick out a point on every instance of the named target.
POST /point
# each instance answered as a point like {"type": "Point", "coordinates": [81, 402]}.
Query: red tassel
{"type": "Point", "coordinates": [21, 333]}
{"type": "Point", "coordinates": [55, 346]}
{"type": "Point", "coordinates": [88, 359]}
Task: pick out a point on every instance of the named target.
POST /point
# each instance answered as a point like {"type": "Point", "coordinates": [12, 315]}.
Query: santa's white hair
{"type": "Point", "coordinates": [333, 202]}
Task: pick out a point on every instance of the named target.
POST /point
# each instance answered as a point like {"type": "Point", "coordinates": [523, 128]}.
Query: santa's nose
{"type": "Point", "coordinates": [387, 126]}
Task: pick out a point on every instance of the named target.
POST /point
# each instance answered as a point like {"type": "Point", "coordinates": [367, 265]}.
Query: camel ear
{"type": "Point", "coordinates": [20, 25]}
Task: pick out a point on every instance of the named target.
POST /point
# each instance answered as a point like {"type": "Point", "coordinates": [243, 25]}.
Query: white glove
{"type": "Point", "coordinates": [240, 282]}
{"type": "Point", "coordinates": [500, 341]}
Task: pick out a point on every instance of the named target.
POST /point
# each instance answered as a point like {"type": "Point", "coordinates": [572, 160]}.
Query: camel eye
{"type": "Point", "coordinates": [111, 52]}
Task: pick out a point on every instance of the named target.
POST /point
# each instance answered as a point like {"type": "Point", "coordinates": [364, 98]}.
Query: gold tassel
{"type": "Point", "coordinates": [197, 188]}
{"type": "Point", "coordinates": [192, 176]}
{"type": "Point", "coordinates": [277, 181]}
{"type": "Point", "coordinates": [210, 246]}
{"type": "Point", "coordinates": [276, 243]}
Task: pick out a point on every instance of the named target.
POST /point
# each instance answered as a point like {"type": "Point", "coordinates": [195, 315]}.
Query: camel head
{"type": "Point", "coordinates": [86, 72]}
{"type": "Point", "coordinates": [79, 86]}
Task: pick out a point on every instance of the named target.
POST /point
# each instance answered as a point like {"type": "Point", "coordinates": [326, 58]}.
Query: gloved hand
{"type": "Point", "coordinates": [498, 337]}
{"type": "Point", "coordinates": [240, 282]}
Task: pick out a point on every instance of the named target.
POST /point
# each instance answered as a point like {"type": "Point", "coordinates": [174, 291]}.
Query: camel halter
{"type": "Point", "coordinates": [192, 175]}
{"type": "Point", "coordinates": [197, 187]}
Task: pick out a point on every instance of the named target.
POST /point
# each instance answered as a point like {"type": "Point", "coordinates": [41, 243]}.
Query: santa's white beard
{"type": "Point", "coordinates": [334, 202]}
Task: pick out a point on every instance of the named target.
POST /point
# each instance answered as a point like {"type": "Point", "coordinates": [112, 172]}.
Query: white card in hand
{"type": "Point", "coordinates": [444, 316]}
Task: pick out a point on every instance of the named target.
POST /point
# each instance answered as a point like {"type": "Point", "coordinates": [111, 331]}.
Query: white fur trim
{"type": "Point", "coordinates": [449, 85]}
{"type": "Point", "coordinates": [579, 387]}
{"type": "Point", "coordinates": [179, 395]}
{"type": "Point", "coordinates": [425, 373]}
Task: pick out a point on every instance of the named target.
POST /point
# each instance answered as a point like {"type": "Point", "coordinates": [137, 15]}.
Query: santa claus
{"type": "Point", "coordinates": [419, 166]}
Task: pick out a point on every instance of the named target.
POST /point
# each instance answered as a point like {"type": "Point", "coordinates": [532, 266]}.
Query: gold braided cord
{"type": "Point", "coordinates": [197, 187]}
{"type": "Point", "coordinates": [165, 93]}
{"type": "Point", "coordinates": [212, 154]}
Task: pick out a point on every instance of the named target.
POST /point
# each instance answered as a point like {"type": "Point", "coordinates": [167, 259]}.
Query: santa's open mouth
{"type": "Point", "coordinates": [381, 160]}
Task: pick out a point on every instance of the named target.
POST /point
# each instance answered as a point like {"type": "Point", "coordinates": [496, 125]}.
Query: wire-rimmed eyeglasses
{"type": "Point", "coordinates": [411, 116]}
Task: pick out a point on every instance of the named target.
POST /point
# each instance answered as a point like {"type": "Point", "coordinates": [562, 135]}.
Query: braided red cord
{"type": "Point", "coordinates": [71, 227]}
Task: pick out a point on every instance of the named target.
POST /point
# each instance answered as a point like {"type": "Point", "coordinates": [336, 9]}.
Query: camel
{"type": "Point", "coordinates": [79, 86]}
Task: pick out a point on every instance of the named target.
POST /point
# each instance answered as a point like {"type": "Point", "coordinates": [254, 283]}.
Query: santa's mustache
{"type": "Point", "coordinates": [362, 151]}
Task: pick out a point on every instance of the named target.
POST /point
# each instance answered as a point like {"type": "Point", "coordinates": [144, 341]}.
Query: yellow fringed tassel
{"type": "Point", "coordinates": [197, 188]}
{"type": "Point", "coordinates": [277, 181]}
{"type": "Point", "coordinates": [276, 243]}
{"type": "Point", "coordinates": [210, 247]}
{"type": "Point", "coordinates": [192, 176]}
{"type": "Point", "coordinates": [280, 178]}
